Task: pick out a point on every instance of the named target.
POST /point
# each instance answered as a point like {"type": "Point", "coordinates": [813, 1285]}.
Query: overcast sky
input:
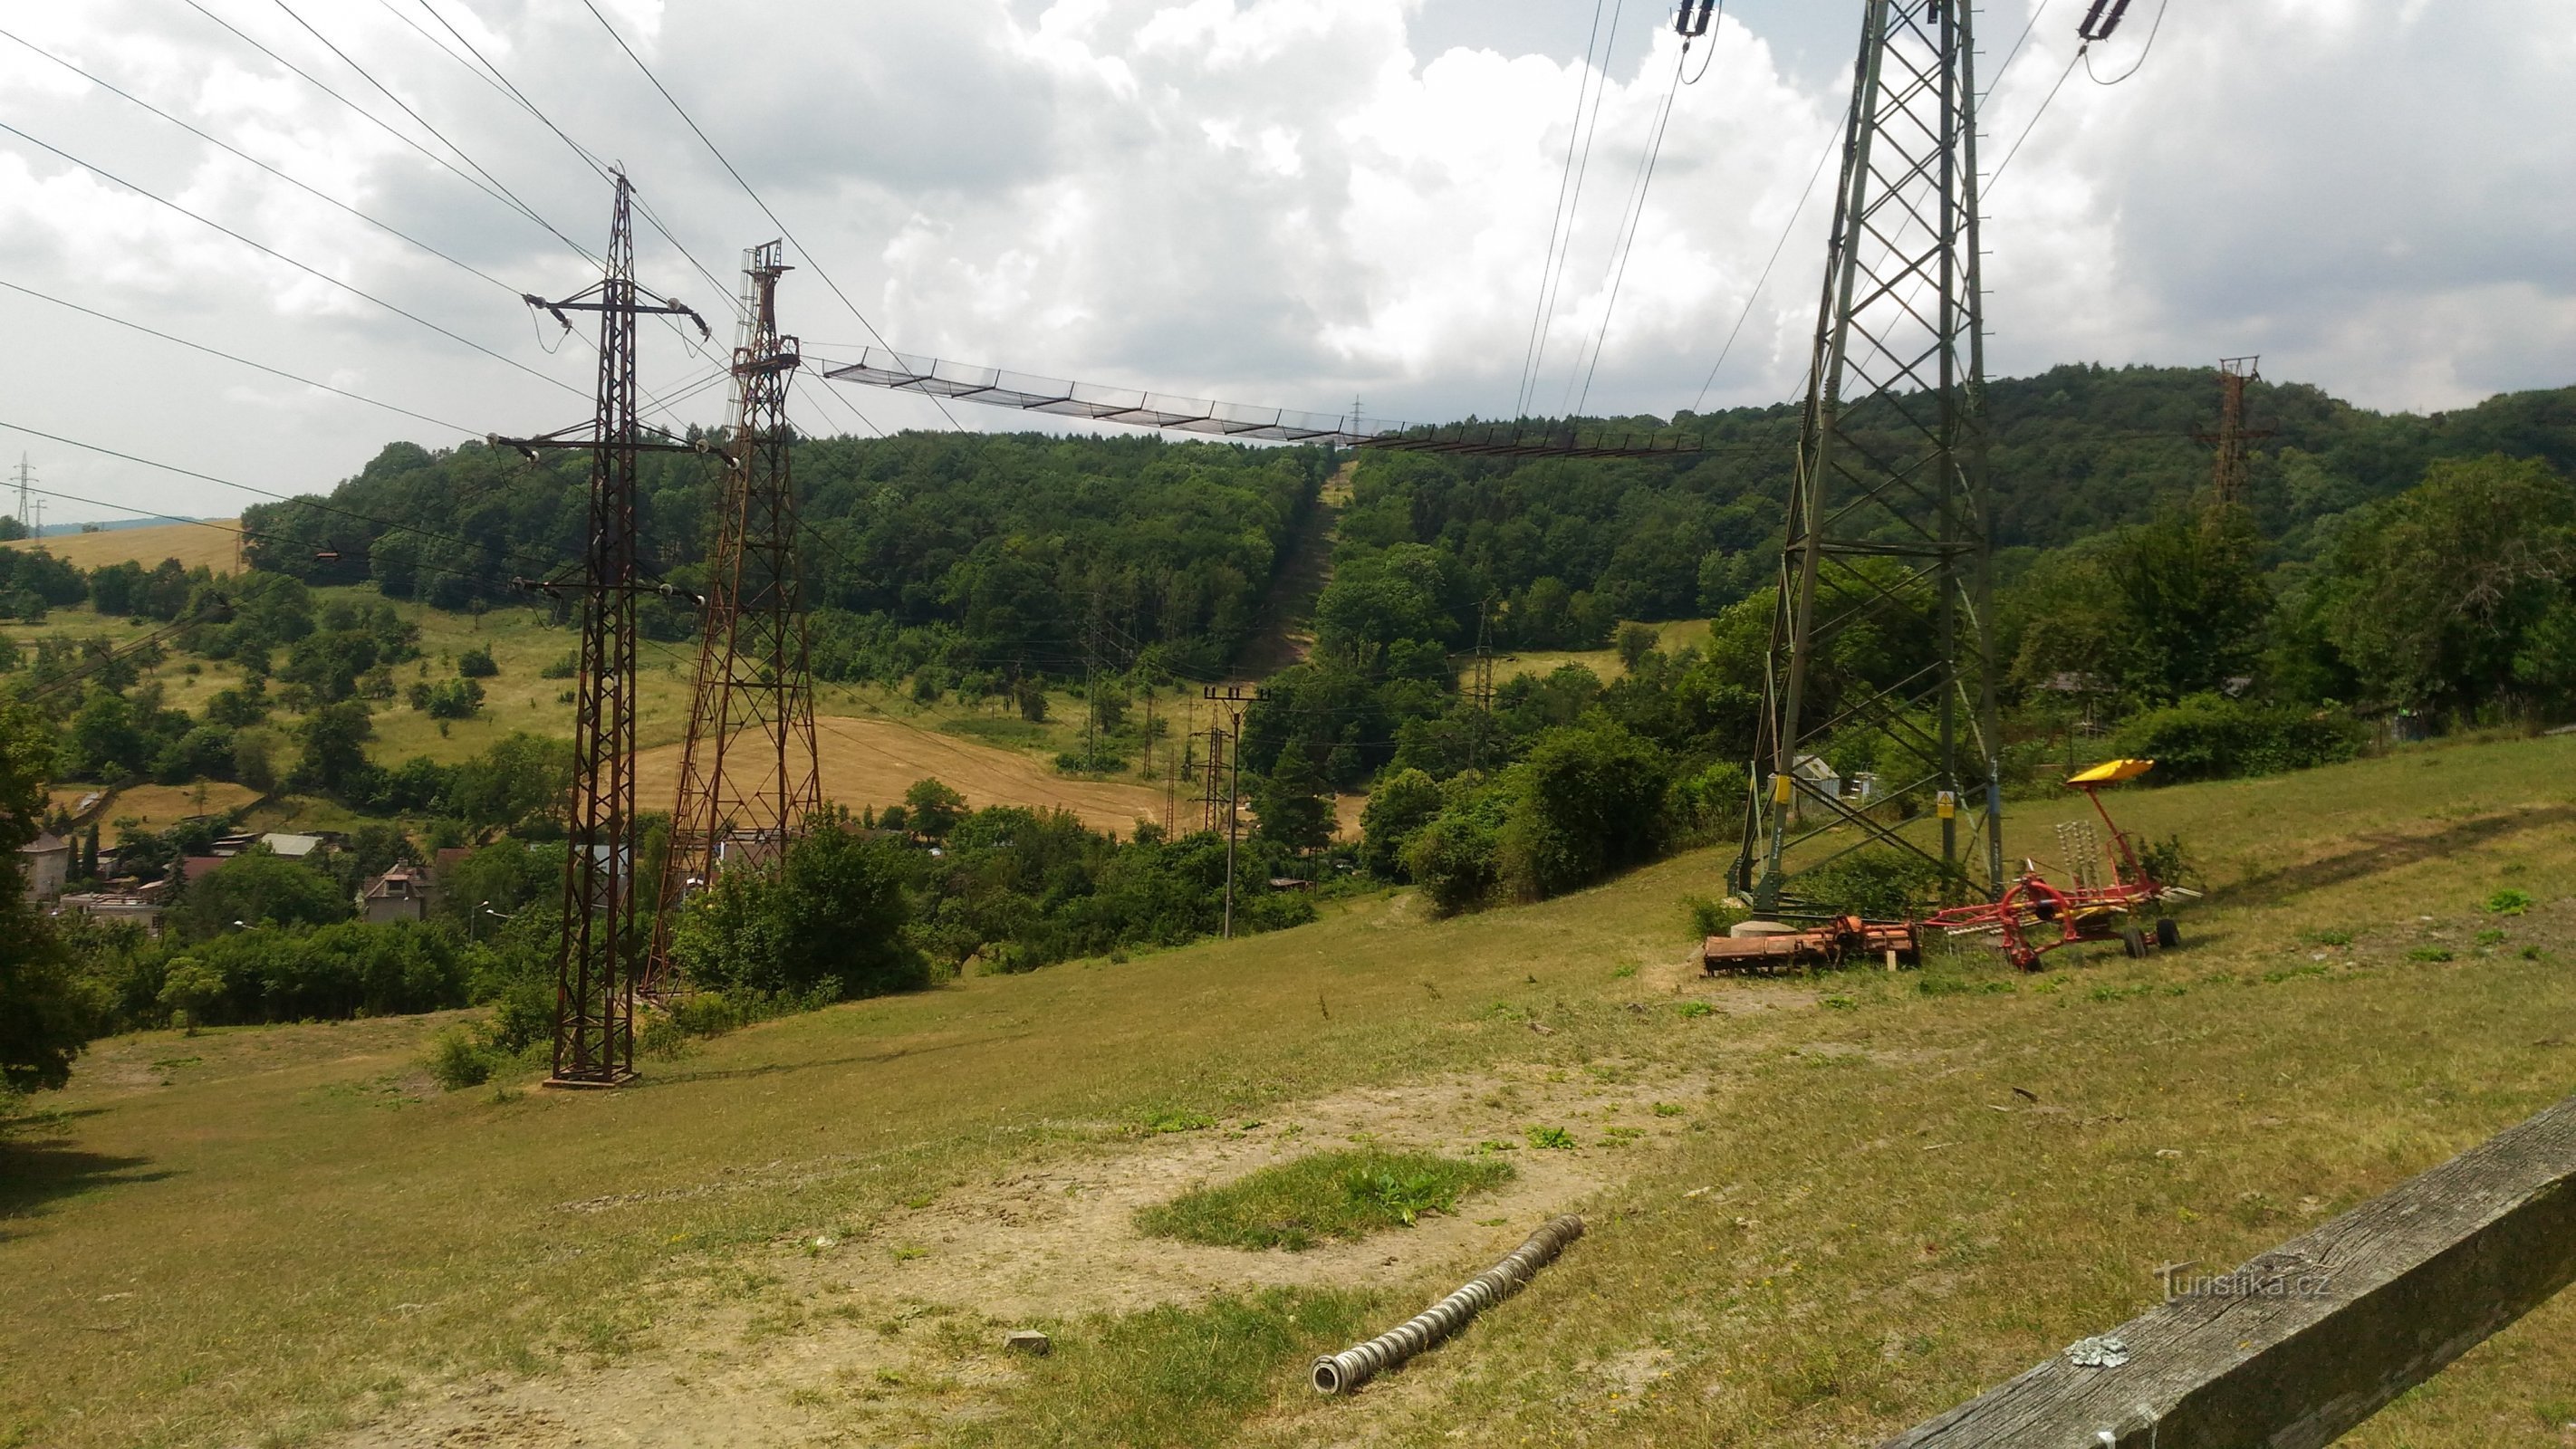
{"type": "Point", "coordinates": [1283, 202]}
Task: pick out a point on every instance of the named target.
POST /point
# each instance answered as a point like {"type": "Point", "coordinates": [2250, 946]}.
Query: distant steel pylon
{"type": "Point", "coordinates": [749, 777]}
{"type": "Point", "coordinates": [2228, 478]}
{"type": "Point", "coordinates": [596, 962]}
{"type": "Point", "coordinates": [1888, 546]}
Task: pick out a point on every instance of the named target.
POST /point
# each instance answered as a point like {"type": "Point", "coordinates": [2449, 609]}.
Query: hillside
{"type": "Point", "coordinates": [1819, 1209]}
{"type": "Point", "coordinates": [210, 545]}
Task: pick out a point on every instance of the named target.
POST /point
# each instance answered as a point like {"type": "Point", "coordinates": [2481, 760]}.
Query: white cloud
{"type": "Point", "coordinates": [1276, 201]}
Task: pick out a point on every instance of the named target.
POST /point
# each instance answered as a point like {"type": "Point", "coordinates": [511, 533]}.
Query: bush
{"type": "Point", "coordinates": [832, 918]}
{"type": "Point", "coordinates": [458, 1059]}
{"type": "Point", "coordinates": [476, 664]}
{"type": "Point", "coordinates": [1588, 800]}
{"type": "Point", "coordinates": [1397, 809]}
{"type": "Point", "coordinates": [2211, 737]}
{"type": "Point", "coordinates": [1884, 884]}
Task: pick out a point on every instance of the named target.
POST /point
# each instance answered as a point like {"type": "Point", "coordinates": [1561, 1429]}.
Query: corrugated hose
{"type": "Point", "coordinates": [1340, 1373]}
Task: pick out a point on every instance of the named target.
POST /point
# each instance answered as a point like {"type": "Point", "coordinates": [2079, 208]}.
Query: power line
{"type": "Point", "coordinates": [378, 122]}
{"type": "Point", "coordinates": [2152, 32]}
{"type": "Point", "coordinates": [1777, 247]}
{"type": "Point", "coordinates": [369, 77]}
{"type": "Point", "coordinates": [236, 151]}
{"type": "Point", "coordinates": [1574, 210]}
{"type": "Point", "coordinates": [2062, 77]}
{"type": "Point", "coordinates": [2011, 55]}
{"type": "Point", "coordinates": [1634, 219]}
{"type": "Point", "coordinates": [267, 251]}
{"type": "Point", "coordinates": [492, 75]}
{"type": "Point", "coordinates": [1556, 214]}
{"type": "Point", "coordinates": [802, 250]}
{"type": "Point", "coordinates": [244, 361]}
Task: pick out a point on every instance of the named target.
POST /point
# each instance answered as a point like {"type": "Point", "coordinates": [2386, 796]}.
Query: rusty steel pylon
{"type": "Point", "coordinates": [596, 963]}
{"type": "Point", "coordinates": [2228, 478]}
{"type": "Point", "coordinates": [749, 777]}
{"type": "Point", "coordinates": [1888, 546]}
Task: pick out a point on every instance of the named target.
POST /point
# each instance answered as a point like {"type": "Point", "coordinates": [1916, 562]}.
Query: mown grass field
{"type": "Point", "coordinates": [207, 545]}
{"type": "Point", "coordinates": [1672, 637]}
{"type": "Point", "coordinates": [817, 1230]}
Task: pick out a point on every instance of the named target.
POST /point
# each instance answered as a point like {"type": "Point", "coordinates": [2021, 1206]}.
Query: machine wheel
{"type": "Point", "coordinates": [2168, 935]}
{"type": "Point", "coordinates": [2133, 942]}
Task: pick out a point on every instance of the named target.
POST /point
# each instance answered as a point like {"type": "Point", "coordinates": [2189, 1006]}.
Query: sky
{"type": "Point", "coordinates": [1293, 203]}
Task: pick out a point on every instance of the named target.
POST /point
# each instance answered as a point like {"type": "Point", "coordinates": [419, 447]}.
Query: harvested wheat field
{"type": "Point", "coordinates": [194, 545]}
{"type": "Point", "coordinates": [871, 762]}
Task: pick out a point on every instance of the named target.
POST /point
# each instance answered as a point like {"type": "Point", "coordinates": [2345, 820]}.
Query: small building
{"type": "Point", "coordinates": [195, 868]}
{"type": "Point", "coordinates": [293, 847]}
{"type": "Point", "coordinates": [139, 908]}
{"type": "Point", "coordinates": [400, 894]}
{"type": "Point", "coordinates": [47, 863]}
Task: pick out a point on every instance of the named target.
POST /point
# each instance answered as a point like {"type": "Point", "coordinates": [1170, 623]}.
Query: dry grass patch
{"type": "Point", "coordinates": [207, 545]}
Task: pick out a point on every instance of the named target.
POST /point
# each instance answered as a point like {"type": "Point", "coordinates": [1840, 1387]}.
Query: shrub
{"type": "Point", "coordinates": [458, 1059]}
{"type": "Point", "coordinates": [476, 664]}
{"type": "Point", "coordinates": [1884, 884]}
{"type": "Point", "coordinates": [1588, 800]}
{"type": "Point", "coordinates": [833, 919]}
{"type": "Point", "coordinates": [1397, 809]}
{"type": "Point", "coordinates": [2211, 737]}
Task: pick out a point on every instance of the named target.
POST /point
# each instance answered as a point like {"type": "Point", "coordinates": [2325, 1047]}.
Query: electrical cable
{"type": "Point", "coordinates": [1556, 215]}
{"type": "Point", "coordinates": [783, 231]}
{"type": "Point", "coordinates": [2062, 77]}
{"type": "Point", "coordinates": [311, 271]}
{"type": "Point", "coordinates": [492, 75]}
{"type": "Point", "coordinates": [244, 361]}
{"type": "Point", "coordinates": [1633, 218]}
{"type": "Point", "coordinates": [1574, 209]}
{"type": "Point", "coordinates": [1716, 27]}
{"type": "Point", "coordinates": [236, 151]}
{"type": "Point", "coordinates": [369, 116]}
{"type": "Point", "coordinates": [1777, 248]}
{"type": "Point", "coordinates": [2143, 52]}
{"type": "Point", "coordinates": [423, 122]}
{"type": "Point", "coordinates": [2009, 56]}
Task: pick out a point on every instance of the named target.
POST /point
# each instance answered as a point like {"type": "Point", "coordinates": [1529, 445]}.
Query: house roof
{"type": "Point", "coordinates": [292, 846]}
{"type": "Point", "coordinates": [197, 867]}
{"type": "Point", "coordinates": [411, 877]}
{"type": "Point", "coordinates": [45, 844]}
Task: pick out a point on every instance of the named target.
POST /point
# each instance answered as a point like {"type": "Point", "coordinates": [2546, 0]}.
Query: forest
{"type": "Point", "coordinates": [2390, 576]}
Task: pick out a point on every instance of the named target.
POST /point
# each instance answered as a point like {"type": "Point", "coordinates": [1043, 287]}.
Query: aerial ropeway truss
{"type": "Point", "coordinates": [995, 387]}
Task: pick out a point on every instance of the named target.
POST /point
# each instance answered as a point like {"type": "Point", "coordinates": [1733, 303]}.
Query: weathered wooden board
{"type": "Point", "coordinates": [2306, 1341]}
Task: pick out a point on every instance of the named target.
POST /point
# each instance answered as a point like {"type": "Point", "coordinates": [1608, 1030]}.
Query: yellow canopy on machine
{"type": "Point", "coordinates": [2111, 772]}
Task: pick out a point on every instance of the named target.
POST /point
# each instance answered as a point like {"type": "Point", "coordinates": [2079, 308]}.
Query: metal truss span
{"type": "Point", "coordinates": [1022, 392]}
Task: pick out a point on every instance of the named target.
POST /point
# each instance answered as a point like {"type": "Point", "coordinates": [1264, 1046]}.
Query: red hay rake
{"type": "Point", "coordinates": [2036, 916]}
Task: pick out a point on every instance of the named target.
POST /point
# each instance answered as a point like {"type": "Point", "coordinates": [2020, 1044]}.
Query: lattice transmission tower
{"type": "Point", "coordinates": [2228, 478]}
{"type": "Point", "coordinates": [1883, 630]}
{"type": "Point", "coordinates": [749, 777]}
{"type": "Point", "coordinates": [603, 946]}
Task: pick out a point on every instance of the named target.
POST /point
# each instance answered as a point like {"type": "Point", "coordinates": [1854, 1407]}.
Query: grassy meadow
{"type": "Point", "coordinates": [1820, 1209]}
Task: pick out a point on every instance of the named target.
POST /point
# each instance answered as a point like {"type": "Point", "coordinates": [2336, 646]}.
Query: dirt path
{"type": "Point", "coordinates": [1288, 615]}
{"type": "Point", "coordinates": [881, 1336]}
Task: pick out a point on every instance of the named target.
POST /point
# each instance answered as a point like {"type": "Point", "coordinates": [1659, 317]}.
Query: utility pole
{"type": "Point", "coordinates": [1887, 525]}
{"type": "Point", "coordinates": [596, 962]}
{"type": "Point", "coordinates": [748, 775]}
{"type": "Point", "coordinates": [2228, 480]}
{"type": "Point", "coordinates": [1233, 696]}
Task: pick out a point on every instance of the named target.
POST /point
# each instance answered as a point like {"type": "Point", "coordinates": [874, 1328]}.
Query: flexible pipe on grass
{"type": "Point", "coordinates": [1340, 1373]}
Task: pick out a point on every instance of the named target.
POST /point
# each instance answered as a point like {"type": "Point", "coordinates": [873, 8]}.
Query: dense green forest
{"type": "Point", "coordinates": [2390, 575]}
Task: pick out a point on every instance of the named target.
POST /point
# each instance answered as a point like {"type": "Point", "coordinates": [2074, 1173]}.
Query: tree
{"type": "Point", "coordinates": [832, 919]}
{"type": "Point", "coordinates": [1290, 800]}
{"type": "Point", "coordinates": [1401, 805]}
{"type": "Point", "coordinates": [2437, 588]}
{"type": "Point", "coordinates": [1587, 800]}
{"type": "Point", "coordinates": [933, 809]}
{"type": "Point", "coordinates": [520, 779]}
{"type": "Point", "coordinates": [1634, 642]}
{"type": "Point", "coordinates": [106, 743]}
{"type": "Point", "coordinates": [335, 747]}
{"type": "Point", "coordinates": [47, 1014]}
{"type": "Point", "coordinates": [258, 889]}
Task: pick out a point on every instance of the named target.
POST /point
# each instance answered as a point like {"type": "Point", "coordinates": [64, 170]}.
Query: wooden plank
{"type": "Point", "coordinates": [2304, 1342]}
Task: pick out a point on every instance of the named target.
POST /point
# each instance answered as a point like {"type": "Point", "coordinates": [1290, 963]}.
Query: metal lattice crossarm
{"type": "Point", "coordinates": [1882, 643]}
{"type": "Point", "coordinates": [1023, 392]}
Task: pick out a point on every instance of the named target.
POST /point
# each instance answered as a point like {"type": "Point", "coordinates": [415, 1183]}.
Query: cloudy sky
{"type": "Point", "coordinates": [1286, 202]}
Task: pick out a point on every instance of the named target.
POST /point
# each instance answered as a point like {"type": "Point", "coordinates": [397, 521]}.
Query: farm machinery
{"type": "Point", "coordinates": [2033, 917]}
